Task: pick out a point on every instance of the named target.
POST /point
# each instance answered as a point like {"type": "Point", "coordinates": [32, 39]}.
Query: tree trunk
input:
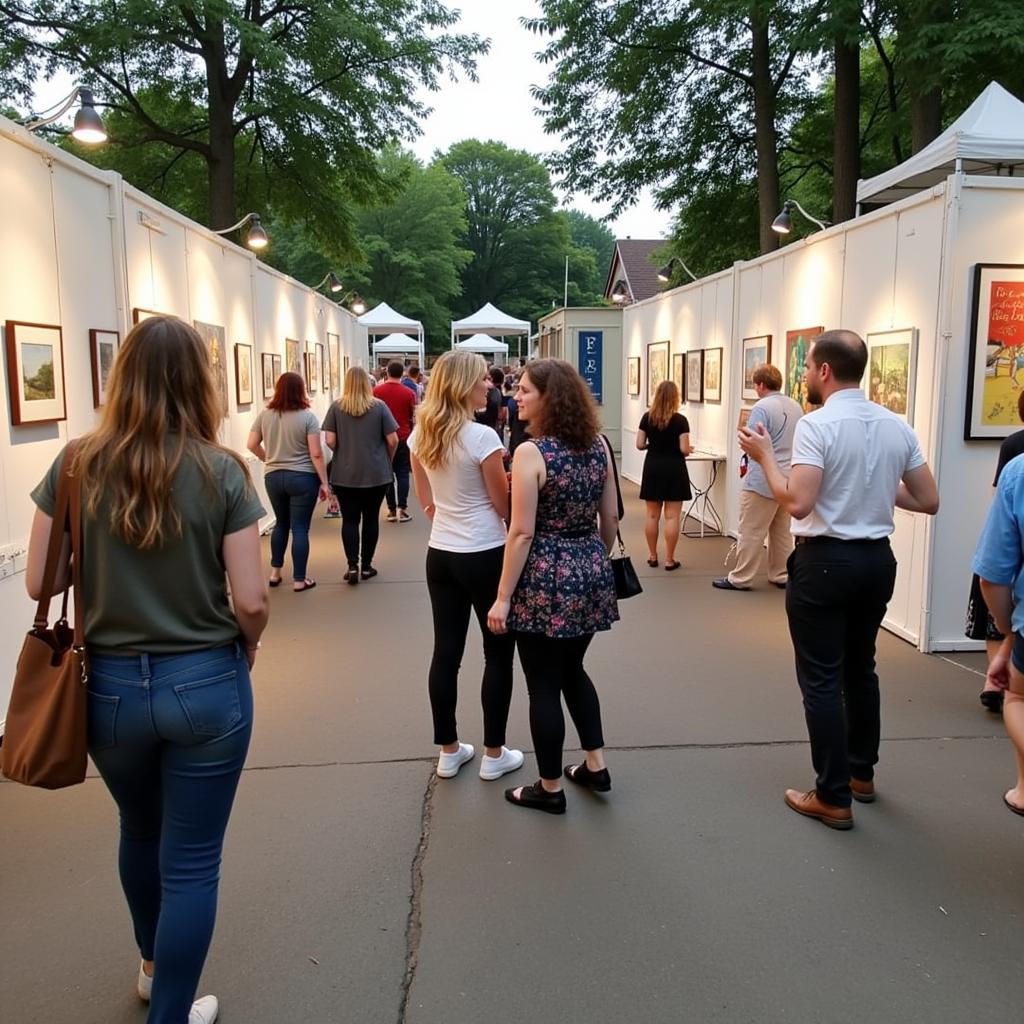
{"type": "Point", "coordinates": [846, 140]}
{"type": "Point", "coordinates": [925, 119]}
{"type": "Point", "coordinates": [765, 135]}
{"type": "Point", "coordinates": [221, 106]}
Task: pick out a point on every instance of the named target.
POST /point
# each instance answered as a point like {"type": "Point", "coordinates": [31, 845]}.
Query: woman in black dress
{"type": "Point", "coordinates": [664, 434]}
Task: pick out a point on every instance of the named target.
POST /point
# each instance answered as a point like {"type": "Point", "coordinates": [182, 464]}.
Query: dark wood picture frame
{"type": "Point", "coordinates": [712, 392]}
{"type": "Point", "coordinates": [24, 410]}
{"type": "Point", "coordinates": [633, 376]}
{"type": "Point", "coordinates": [694, 376]}
{"type": "Point", "coordinates": [100, 369]}
{"type": "Point", "coordinates": [243, 360]}
{"type": "Point", "coordinates": [267, 373]}
{"type": "Point", "coordinates": [139, 314]}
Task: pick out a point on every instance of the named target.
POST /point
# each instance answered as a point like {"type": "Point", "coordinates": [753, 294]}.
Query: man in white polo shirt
{"type": "Point", "coordinates": [853, 462]}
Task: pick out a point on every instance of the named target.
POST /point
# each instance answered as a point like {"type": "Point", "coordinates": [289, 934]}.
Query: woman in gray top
{"type": "Point", "coordinates": [286, 438]}
{"type": "Point", "coordinates": [363, 435]}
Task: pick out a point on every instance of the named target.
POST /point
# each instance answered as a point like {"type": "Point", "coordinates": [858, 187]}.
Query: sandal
{"type": "Point", "coordinates": [672, 566]}
{"type": "Point", "coordinates": [368, 573]}
{"type": "Point", "coordinates": [653, 562]}
{"type": "Point", "coordinates": [600, 781]}
{"type": "Point", "coordinates": [538, 797]}
{"type": "Point", "coordinates": [352, 576]}
{"type": "Point", "coordinates": [1013, 807]}
{"type": "Point", "coordinates": [306, 585]}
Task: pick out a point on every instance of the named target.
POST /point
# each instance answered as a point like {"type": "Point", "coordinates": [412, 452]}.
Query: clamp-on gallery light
{"type": "Point", "coordinates": [665, 274]}
{"type": "Point", "coordinates": [332, 281]}
{"type": "Point", "coordinates": [256, 237]}
{"type": "Point", "coordinates": [783, 224]}
{"type": "Point", "coordinates": [356, 305]}
{"type": "Point", "coordinates": [88, 127]}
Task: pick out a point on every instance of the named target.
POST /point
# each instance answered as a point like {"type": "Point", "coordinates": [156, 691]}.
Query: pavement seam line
{"type": "Point", "coordinates": [957, 664]}
{"type": "Point", "coordinates": [414, 922]}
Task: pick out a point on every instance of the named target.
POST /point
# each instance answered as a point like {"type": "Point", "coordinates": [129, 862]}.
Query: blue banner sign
{"type": "Point", "coordinates": [591, 343]}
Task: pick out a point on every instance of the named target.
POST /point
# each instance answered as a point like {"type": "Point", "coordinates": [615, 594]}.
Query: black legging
{"type": "Point", "coordinates": [458, 582]}
{"type": "Point", "coordinates": [553, 666]}
{"type": "Point", "coordinates": [360, 503]}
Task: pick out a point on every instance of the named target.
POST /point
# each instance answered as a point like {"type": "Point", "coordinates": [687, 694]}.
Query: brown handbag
{"type": "Point", "coordinates": [45, 734]}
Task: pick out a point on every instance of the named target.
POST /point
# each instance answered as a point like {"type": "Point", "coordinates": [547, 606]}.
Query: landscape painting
{"type": "Point", "coordinates": [35, 372]}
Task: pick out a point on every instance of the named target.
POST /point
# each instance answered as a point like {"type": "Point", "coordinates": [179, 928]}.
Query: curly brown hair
{"type": "Point", "coordinates": [568, 412]}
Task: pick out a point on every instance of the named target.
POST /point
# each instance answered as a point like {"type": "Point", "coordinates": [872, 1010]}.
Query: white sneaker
{"type": "Point", "coordinates": [145, 985]}
{"type": "Point", "coordinates": [492, 768]}
{"type": "Point", "coordinates": [392, 517]}
{"type": "Point", "coordinates": [448, 765]}
{"type": "Point", "coordinates": [204, 1010]}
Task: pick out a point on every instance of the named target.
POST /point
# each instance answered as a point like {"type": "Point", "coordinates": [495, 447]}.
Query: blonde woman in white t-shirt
{"type": "Point", "coordinates": [460, 482]}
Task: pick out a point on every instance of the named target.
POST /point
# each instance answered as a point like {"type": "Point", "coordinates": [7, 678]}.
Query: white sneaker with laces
{"type": "Point", "coordinates": [403, 516]}
{"type": "Point", "coordinates": [492, 768]}
{"type": "Point", "coordinates": [448, 765]}
{"type": "Point", "coordinates": [145, 985]}
{"type": "Point", "coordinates": [204, 1010]}
{"type": "Point", "coordinates": [392, 517]}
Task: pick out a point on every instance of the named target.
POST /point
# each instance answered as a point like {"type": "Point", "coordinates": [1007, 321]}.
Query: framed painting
{"type": "Point", "coordinates": [214, 338]}
{"type": "Point", "coordinates": [346, 364]}
{"type": "Point", "coordinates": [756, 350]}
{"type": "Point", "coordinates": [103, 346]}
{"type": "Point", "coordinates": [269, 377]}
{"type": "Point", "coordinates": [744, 416]}
{"type": "Point", "coordinates": [712, 375]}
{"type": "Point", "coordinates": [35, 372]}
{"type": "Point", "coordinates": [334, 358]}
{"type": "Point", "coordinates": [694, 376]}
{"type": "Point", "coordinates": [243, 374]}
{"type": "Point", "coordinates": [139, 314]}
{"type": "Point", "coordinates": [323, 366]}
{"type": "Point", "coordinates": [293, 356]}
{"type": "Point", "coordinates": [892, 370]}
{"type": "Point", "coordinates": [797, 344]}
{"type": "Point", "coordinates": [633, 375]}
{"type": "Point", "coordinates": [312, 379]}
{"type": "Point", "coordinates": [278, 368]}
{"type": "Point", "coordinates": [679, 372]}
{"type": "Point", "coordinates": [996, 351]}
{"type": "Point", "coordinates": [657, 366]}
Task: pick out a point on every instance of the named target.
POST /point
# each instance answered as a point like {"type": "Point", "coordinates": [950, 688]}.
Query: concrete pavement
{"type": "Point", "coordinates": [359, 888]}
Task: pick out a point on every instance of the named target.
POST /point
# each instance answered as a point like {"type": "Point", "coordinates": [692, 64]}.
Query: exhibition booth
{"type": "Point", "coordinates": [490, 322]}
{"type": "Point", "coordinates": [392, 334]}
{"type": "Point", "coordinates": [84, 256]}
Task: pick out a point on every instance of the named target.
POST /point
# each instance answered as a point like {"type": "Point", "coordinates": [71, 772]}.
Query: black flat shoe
{"type": "Point", "coordinates": [992, 700]}
{"type": "Point", "coordinates": [600, 781]}
{"type": "Point", "coordinates": [368, 573]}
{"type": "Point", "coordinates": [652, 562]}
{"type": "Point", "coordinates": [274, 583]}
{"type": "Point", "coordinates": [538, 797]}
{"type": "Point", "coordinates": [351, 577]}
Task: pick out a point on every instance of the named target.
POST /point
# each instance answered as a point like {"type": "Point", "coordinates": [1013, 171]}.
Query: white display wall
{"type": "Point", "coordinates": [75, 253]}
{"type": "Point", "coordinates": [908, 265]}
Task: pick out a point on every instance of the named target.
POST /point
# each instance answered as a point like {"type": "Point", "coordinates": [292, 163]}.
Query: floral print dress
{"type": "Point", "coordinates": [566, 588]}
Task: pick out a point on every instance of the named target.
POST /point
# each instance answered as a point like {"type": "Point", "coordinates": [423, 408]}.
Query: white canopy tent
{"type": "Point", "coordinates": [391, 325]}
{"type": "Point", "coordinates": [987, 138]}
{"type": "Point", "coordinates": [490, 321]}
{"type": "Point", "coordinates": [483, 344]}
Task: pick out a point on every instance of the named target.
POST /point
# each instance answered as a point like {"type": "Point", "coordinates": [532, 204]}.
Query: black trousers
{"type": "Point", "coordinates": [554, 666]}
{"type": "Point", "coordinates": [360, 517]}
{"type": "Point", "coordinates": [458, 583]}
{"type": "Point", "coordinates": [836, 599]}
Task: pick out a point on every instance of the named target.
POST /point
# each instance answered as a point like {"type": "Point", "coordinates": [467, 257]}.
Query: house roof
{"type": "Point", "coordinates": [630, 263]}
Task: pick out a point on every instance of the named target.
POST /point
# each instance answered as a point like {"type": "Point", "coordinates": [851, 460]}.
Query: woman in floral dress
{"type": "Point", "coordinates": [556, 589]}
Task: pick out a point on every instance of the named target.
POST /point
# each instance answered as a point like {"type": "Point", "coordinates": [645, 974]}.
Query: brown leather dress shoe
{"type": "Point", "coordinates": [810, 806]}
{"type": "Point", "coordinates": [863, 792]}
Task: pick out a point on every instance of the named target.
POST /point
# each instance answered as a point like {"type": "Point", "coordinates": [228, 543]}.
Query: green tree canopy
{"type": "Point", "coordinates": [590, 234]}
{"type": "Point", "coordinates": [315, 89]}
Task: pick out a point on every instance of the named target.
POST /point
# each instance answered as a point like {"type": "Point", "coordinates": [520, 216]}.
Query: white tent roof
{"type": "Point", "coordinates": [383, 318]}
{"type": "Point", "coordinates": [482, 343]}
{"type": "Point", "coordinates": [986, 138]}
{"type": "Point", "coordinates": [396, 343]}
{"type": "Point", "coordinates": [490, 320]}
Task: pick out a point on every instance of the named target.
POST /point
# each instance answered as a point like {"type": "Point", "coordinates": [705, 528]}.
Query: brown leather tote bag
{"type": "Point", "coordinates": [45, 734]}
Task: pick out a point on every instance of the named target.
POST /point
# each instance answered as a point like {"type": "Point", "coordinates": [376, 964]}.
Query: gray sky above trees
{"type": "Point", "coordinates": [499, 106]}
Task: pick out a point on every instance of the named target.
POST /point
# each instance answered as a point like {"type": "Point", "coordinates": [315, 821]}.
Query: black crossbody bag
{"type": "Point", "coordinates": [627, 583]}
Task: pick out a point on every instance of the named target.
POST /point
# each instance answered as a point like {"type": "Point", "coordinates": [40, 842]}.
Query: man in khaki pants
{"type": "Point", "coordinates": [760, 513]}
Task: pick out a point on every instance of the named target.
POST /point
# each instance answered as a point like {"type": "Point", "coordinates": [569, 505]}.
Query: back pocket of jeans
{"type": "Point", "coordinates": [211, 705]}
{"type": "Point", "coordinates": [102, 720]}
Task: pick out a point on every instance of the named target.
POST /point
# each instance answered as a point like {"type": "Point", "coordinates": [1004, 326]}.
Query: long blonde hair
{"type": "Point", "coordinates": [357, 395]}
{"type": "Point", "coordinates": [446, 405]}
{"type": "Point", "coordinates": [665, 404]}
{"type": "Point", "coordinates": [160, 385]}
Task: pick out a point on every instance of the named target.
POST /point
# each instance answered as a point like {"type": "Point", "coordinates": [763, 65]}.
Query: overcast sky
{"type": "Point", "coordinates": [498, 106]}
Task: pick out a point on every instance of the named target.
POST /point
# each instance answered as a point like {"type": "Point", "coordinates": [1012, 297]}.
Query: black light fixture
{"type": "Point", "coordinates": [620, 292]}
{"type": "Point", "coordinates": [89, 127]}
{"type": "Point", "coordinates": [783, 224]}
{"type": "Point", "coordinates": [665, 274]}
{"type": "Point", "coordinates": [331, 280]}
{"type": "Point", "coordinates": [357, 305]}
{"type": "Point", "coordinates": [256, 237]}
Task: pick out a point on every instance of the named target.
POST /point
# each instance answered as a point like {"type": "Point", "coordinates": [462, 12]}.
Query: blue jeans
{"type": "Point", "coordinates": [401, 467]}
{"type": "Point", "coordinates": [169, 734]}
{"type": "Point", "coordinates": [293, 497]}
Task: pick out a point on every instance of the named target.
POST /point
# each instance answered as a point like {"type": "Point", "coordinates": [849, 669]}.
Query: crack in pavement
{"type": "Point", "coordinates": [414, 922]}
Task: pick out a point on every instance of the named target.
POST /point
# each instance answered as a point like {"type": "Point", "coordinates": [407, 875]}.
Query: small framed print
{"type": "Point", "coordinates": [312, 380]}
{"type": "Point", "coordinates": [756, 351]}
{"type": "Point", "coordinates": [35, 372]}
{"type": "Point", "coordinates": [679, 372]}
{"type": "Point", "coordinates": [278, 368]}
{"type": "Point", "coordinates": [657, 366]}
{"type": "Point", "coordinates": [633, 375]}
{"type": "Point", "coordinates": [293, 356]}
{"type": "Point", "coordinates": [712, 375]}
{"type": "Point", "coordinates": [334, 358]}
{"type": "Point", "coordinates": [269, 378]}
{"type": "Point", "coordinates": [139, 314]}
{"type": "Point", "coordinates": [891, 371]}
{"type": "Point", "coordinates": [798, 344]}
{"type": "Point", "coordinates": [695, 376]}
{"type": "Point", "coordinates": [744, 416]}
{"type": "Point", "coordinates": [322, 366]}
{"type": "Point", "coordinates": [103, 346]}
{"type": "Point", "coordinates": [243, 374]}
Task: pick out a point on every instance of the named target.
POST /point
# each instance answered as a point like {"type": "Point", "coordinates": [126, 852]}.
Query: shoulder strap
{"type": "Point", "coordinates": [615, 474]}
{"type": "Point", "coordinates": [68, 498]}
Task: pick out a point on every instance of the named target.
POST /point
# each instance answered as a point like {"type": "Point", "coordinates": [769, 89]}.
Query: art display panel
{"type": "Point", "coordinates": [892, 370]}
{"type": "Point", "coordinates": [712, 375]}
{"type": "Point", "coordinates": [996, 361]}
{"type": "Point", "coordinates": [694, 376]}
{"type": "Point", "coordinates": [798, 343]}
{"type": "Point", "coordinates": [214, 336]}
{"type": "Point", "coordinates": [269, 376]}
{"type": "Point", "coordinates": [103, 347]}
{"type": "Point", "coordinates": [35, 372]}
{"type": "Point", "coordinates": [243, 374]}
{"type": "Point", "coordinates": [756, 351]}
{"type": "Point", "coordinates": [657, 366]}
{"type": "Point", "coordinates": [633, 375]}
